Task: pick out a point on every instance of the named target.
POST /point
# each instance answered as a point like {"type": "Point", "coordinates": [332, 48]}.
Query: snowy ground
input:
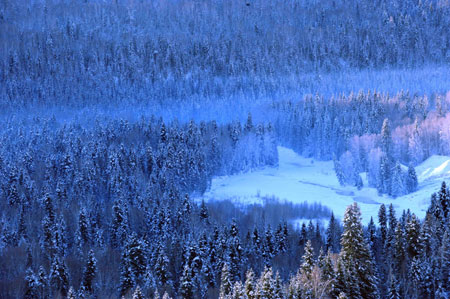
{"type": "Point", "coordinates": [299, 179]}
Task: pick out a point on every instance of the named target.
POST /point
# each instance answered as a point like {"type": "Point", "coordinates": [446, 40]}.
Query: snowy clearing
{"type": "Point", "coordinates": [299, 179]}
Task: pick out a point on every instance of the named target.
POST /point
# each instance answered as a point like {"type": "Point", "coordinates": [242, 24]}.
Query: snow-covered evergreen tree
{"type": "Point", "coordinates": [90, 271]}
{"type": "Point", "coordinates": [356, 256]}
{"type": "Point", "coordinates": [225, 283]}
{"type": "Point", "coordinates": [411, 182]}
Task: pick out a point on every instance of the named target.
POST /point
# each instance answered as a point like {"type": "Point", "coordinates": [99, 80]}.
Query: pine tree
{"type": "Point", "coordinates": [278, 287]}
{"type": "Point", "coordinates": [266, 284]}
{"type": "Point", "coordinates": [356, 255]}
{"type": "Point", "coordinates": [308, 260]}
{"type": "Point", "coordinates": [166, 296]}
{"type": "Point", "coordinates": [445, 261]}
{"type": "Point", "coordinates": [415, 147]}
{"type": "Point", "coordinates": [83, 228]}
{"type": "Point", "coordinates": [31, 285]}
{"type": "Point", "coordinates": [186, 283]}
{"type": "Point", "coordinates": [386, 139]}
{"type": "Point", "coordinates": [249, 285]}
{"type": "Point", "coordinates": [238, 291]}
{"type": "Point", "coordinates": [382, 221]}
{"type": "Point", "coordinates": [339, 172]}
{"type": "Point", "coordinates": [358, 181]}
{"type": "Point", "coordinates": [411, 180]}
{"type": "Point", "coordinates": [333, 235]}
{"type": "Point", "coordinates": [138, 293]}
{"type": "Point", "coordinates": [249, 124]}
{"type": "Point", "coordinates": [397, 186]}
{"type": "Point", "coordinates": [225, 283]}
{"type": "Point", "coordinates": [444, 199]}
{"type": "Point", "coordinates": [328, 274]}
{"type": "Point", "coordinates": [371, 235]}
{"type": "Point", "coordinates": [126, 280]}
{"type": "Point", "coordinates": [385, 176]}
{"type": "Point", "coordinates": [59, 278]}
{"type": "Point", "coordinates": [412, 232]}
{"type": "Point", "coordinates": [90, 271]}
{"type": "Point", "coordinates": [235, 253]}
{"type": "Point", "coordinates": [135, 257]}
{"type": "Point", "coordinates": [119, 224]}
{"type": "Point", "coordinates": [341, 277]}
{"type": "Point", "coordinates": [82, 293]}
{"type": "Point", "coordinates": [392, 220]}
{"type": "Point", "coordinates": [398, 250]}
{"type": "Point", "coordinates": [415, 277]}
{"type": "Point", "coordinates": [393, 291]}
{"type": "Point", "coordinates": [281, 238]}
{"type": "Point", "coordinates": [204, 215]}
{"type": "Point", "coordinates": [43, 282]}
{"type": "Point", "coordinates": [440, 293]}
{"type": "Point", "coordinates": [71, 294]}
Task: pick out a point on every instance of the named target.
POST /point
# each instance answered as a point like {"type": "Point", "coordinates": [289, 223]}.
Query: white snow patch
{"type": "Point", "coordinates": [299, 179]}
{"type": "Point", "coordinates": [434, 167]}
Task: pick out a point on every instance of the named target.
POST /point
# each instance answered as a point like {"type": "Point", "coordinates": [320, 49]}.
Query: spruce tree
{"type": "Point", "coordinates": [393, 291]}
{"type": "Point", "coordinates": [138, 293]}
{"type": "Point", "coordinates": [339, 172]}
{"type": "Point", "coordinates": [59, 278]}
{"type": "Point", "coordinates": [126, 280]}
{"type": "Point", "coordinates": [162, 266]}
{"type": "Point", "coordinates": [397, 186]}
{"type": "Point", "coordinates": [238, 291]}
{"type": "Point", "coordinates": [266, 283]}
{"type": "Point", "coordinates": [249, 285]}
{"type": "Point", "coordinates": [412, 232]}
{"type": "Point", "coordinates": [186, 283]}
{"type": "Point", "coordinates": [444, 199]}
{"type": "Point", "coordinates": [382, 221]}
{"type": "Point", "coordinates": [386, 139]}
{"type": "Point", "coordinates": [278, 287]}
{"type": "Point", "coordinates": [411, 180]}
{"type": "Point", "coordinates": [83, 228]}
{"type": "Point", "coordinates": [43, 282]}
{"type": "Point", "coordinates": [356, 256]}
{"type": "Point", "coordinates": [135, 256]}
{"type": "Point", "coordinates": [445, 261]}
{"type": "Point", "coordinates": [71, 293]}
{"type": "Point", "coordinates": [90, 271]}
{"type": "Point", "coordinates": [225, 283]}
{"type": "Point", "coordinates": [333, 235]}
{"type": "Point", "coordinates": [308, 260]}
{"type": "Point", "coordinates": [31, 285]}
{"type": "Point", "coordinates": [235, 253]}
{"type": "Point", "coordinates": [329, 274]}
{"type": "Point", "coordinates": [385, 176]}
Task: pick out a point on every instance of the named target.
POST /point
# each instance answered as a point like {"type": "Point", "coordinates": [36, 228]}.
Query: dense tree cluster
{"type": "Point", "coordinates": [81, 52]}
{"type": "Point", "coordinates": [401, 258]}
{"type": "Point", "coordinates": [96, 207]}
{"type": "Point", "coordinates": [368, 132]}
{"type": "Point", "coordinates": [72, 198]}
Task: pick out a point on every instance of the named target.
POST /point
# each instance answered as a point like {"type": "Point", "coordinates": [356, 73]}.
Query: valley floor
{"type": "Point", "coordinates": [298, 179]}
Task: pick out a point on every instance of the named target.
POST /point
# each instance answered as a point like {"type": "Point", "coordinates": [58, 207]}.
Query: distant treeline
{"type": "Point", "coordinates": [85, 52]}
{"type": "Point", "coordinates": [270, 212]}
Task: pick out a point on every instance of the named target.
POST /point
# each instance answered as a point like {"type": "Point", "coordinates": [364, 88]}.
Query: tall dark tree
{"type": "Point", "coordinates": [59, 277]}
{"type": "Point", "coordinates": [90, 272]}
{"type": "Point", "coordinates": [356, 257]}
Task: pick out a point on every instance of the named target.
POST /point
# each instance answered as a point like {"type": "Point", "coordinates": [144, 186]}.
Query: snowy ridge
{"type": "Point", "coordinates": [299, 179]}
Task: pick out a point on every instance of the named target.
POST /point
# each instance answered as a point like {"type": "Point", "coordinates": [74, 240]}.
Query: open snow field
{"type": "Point", "coordinates": [299, 179]}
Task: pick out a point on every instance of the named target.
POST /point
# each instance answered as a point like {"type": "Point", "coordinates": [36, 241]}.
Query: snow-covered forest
{"type": "Point", "coordinates": [117, 119]}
